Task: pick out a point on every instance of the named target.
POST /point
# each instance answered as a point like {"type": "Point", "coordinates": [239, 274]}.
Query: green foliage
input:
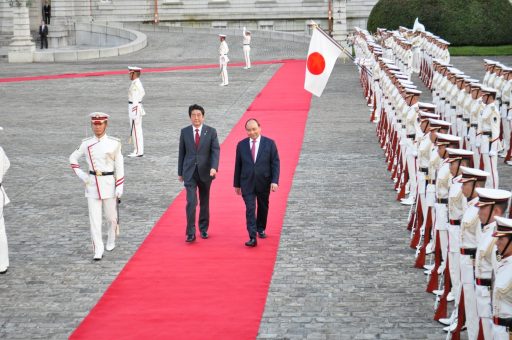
{"type": "Point", "coordinates": [485, 51]}
{"type": "Point", "coordinates": [461, 22]}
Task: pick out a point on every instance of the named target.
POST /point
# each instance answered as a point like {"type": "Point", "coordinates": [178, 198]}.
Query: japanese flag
{"type": "Point", "coordinates": [322, 55]}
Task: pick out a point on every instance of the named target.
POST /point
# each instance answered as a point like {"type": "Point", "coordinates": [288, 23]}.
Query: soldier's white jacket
{"type": "Point", "coordinates": [135, 95]}
{"type": "Point", "coordinates": [456, 200]}
{"type": "Point", "coordinates": [247, 38]}
{"type": "Point", "coordinates": [490, 121]}
{"type": "Point", "coordinates": [502, 293]}
{"type": "Point", "coordinates": [469, 225]}
{"type": "Point", "coordinates": [104, 155]}
{"type": "Point", "coordinates": [484, 252]}
{"type": "Point", "coordinates": [4, 166]}
{"type": "Point", "coordinates": [443, 180]}
{"type": "Point", "coordinates": [223, 48]}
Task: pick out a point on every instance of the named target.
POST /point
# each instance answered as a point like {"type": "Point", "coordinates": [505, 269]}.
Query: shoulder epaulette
{"type": "Point", "coordinates": [85, 139]}
{"type": "Point", "coordinates": [114, 138]}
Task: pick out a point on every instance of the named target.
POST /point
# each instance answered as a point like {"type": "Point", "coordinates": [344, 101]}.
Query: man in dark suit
{"type": "Point", "coordinates": [43, 33]}
{"type": "Point", "coordinates": [256, 174]}
{"type": "Point", "coordinates": [47, 12]}
{"type": "Point", "coordinates": [198, 162]}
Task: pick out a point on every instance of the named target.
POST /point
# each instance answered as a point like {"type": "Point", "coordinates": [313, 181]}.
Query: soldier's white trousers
{"type": "Point", "coordinates": [468, 283]}
{"type": "Point", "coordinates": [491, 166]}
{"type": "Point", "coordinates": [96, 207]}
{"type": "Point", "coordinates": [137, 136]}
{"type": "Point", "coordinates": [500, 332]}
{"type": "Point", "coordinates": [454, 255]}
{"type": "Point", "coordinates": [224, 70]}
{"type": "Point", "coordinates": [4, 251]}
{"type": "Point", "coordinates": [483, 303]}
{"type": "Point", "coordinates": [247, 55]}
{"type": "Point", "coordinates": [506, 134]}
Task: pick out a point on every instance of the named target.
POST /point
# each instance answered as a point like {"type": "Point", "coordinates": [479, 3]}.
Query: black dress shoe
{"type": "Point", "coordinates": [262, 234]}
{"type": "Point", "coordinates": [139, 156]}
{"type": "Point", "coordinates": [204, 234]}
{"type": "Point", "coordinates": [5, 271]}
{"type": "Point", "coordinates": [190, 238]}
{"type": "Point", "coordinates": [251, 243]}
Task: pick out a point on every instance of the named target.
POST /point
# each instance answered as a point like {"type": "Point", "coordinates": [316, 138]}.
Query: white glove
{"type": "Point", "coordinates": [493, 153]}
{"type": "Point", "coordinates": [119, 191]}
{"type": "Point", "coordinates": [82, 175]}
{"type": "Point", "coordinates": [509, 118]}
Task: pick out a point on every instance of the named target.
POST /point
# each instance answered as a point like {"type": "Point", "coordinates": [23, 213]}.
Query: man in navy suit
{"type": "Point", "coordinates": [256, 174]}
{"type": "Point", "coordinates": [198, 162]}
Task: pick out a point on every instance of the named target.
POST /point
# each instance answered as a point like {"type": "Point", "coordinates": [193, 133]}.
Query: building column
{"type": "Point", "coordinates": [22, 48]}
{"type": "Point", "coordinates": [61, 24]}
{"type": "Point", "coordinates": [340, 29]}
{"type": "Point", "coordinates": [5, 18]}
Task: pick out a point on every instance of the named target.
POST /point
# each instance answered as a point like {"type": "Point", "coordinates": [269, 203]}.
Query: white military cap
{"type": "Point", "coordinates": [492, 196]}
{"type": "Point", "coordinates": [428, 106]}
{"type": "Point", "coordinates": [425, 116]}
{"type": "Point", "coordinates": [222, 35]}
{"type": "Point", "coordinates": [472, 80]}
{"type": "Point", "coordinates": [436, 124]}
{"type": "Point", "coordinates": [447, 139]}
{"type": "Point", "coordinates": [455, 70]}
{"type": "Point", "coordinates": [98, 117]}
{"type": "Point", "coordinates": [412, 91]}
{"type": "Point", "coordinates": [472, 174]}
{"type": "Point", "coordinates": [503, 226]}
{"type": "Point", "coordinates": [458, 154]}
{"type": "Point", "coordinates": [488, 89]}
{"type": "Point", "coordinates": [134, 68]}
{"type": "Point", "coordinates": [490, 62]}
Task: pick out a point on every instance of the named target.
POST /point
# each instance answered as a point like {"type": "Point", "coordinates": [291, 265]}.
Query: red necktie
{"type": "Point", "coordinates": [197, 138]}
{"type": "Point", "coordinates": [253, 150]}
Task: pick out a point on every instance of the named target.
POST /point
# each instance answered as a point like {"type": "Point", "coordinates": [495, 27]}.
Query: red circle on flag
{"type": "Point", "coordinates": [316, 63]}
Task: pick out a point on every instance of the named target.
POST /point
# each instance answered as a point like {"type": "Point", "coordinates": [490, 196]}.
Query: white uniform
{"type": "Point", "coordinates": [502, 297]}
{"type": "Point", "coordinates": [247, 48]}
{"type": "Point", "coordinates": [4, 252]}
{"type": "Point", "coordinates": [223, 62]}
{"type": "Point", "coordinates": [490, 145]}
{"type": "Point", "coordinates": [469, 226]}
{"type": "Point", "coordinates": [483, 274]}
{"type": "Point", "coordinates": [102, 155]}
{"type": "Point", "coordinates": [135, 112]}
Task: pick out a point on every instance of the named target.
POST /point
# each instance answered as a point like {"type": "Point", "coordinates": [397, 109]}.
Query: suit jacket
{"type": "Point", "coordinates": [256, 176]}
{"type": "Point", "coordinates": [206, 157]}
{"type": "Point", "coordinates": [47, 10]}
{"type": "Point", "coordinates": [43, 31]}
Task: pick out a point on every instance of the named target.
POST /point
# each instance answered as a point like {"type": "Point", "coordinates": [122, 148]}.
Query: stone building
{"type": "Point", "coordinates": [279, 15]}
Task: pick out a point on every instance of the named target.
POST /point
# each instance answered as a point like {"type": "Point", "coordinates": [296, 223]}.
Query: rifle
{"type": "Point", "coordinates": [118, 202]}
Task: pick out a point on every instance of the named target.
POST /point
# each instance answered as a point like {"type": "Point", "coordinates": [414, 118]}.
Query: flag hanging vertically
{"type": "Point", "coordinates": [322, 55]}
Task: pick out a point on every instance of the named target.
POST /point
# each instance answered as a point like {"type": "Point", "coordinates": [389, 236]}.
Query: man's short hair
{"type": "Point", "coordinates": [254, 119]}
{"type": "Point", "coordinates": [195, 107]}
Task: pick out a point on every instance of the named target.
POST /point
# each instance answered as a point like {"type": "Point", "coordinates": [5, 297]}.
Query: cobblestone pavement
{"type": "Point", "coordinates": [343, 269]}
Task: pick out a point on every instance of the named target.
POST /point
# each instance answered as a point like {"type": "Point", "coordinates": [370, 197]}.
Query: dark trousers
{"type": "Point", "coordinates": [47, 18]}
{"type": "Point", "coordinates": [44, 39]}
{"type": "Point", "coordinates": [192, 187]}
{"type": "Point", "coordinates": [256, 220]}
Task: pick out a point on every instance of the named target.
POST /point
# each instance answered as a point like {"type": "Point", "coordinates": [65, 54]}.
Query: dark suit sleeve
{"type": "Point", "coordinates": [181, 154]}
{"type": "Point", "coordinates": [238, 167]}
{"type": "Point", "coordinates": [215, 150]}
{"type": "Point", "coordinates": [275, 163]}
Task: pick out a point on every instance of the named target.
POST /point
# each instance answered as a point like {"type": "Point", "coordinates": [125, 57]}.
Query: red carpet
{"type": "Point", "coordinates": [125, 71]}
{"type": "Point", "coordinates": [215, 288]}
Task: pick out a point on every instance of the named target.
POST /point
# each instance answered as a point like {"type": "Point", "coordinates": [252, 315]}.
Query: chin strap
{"type": "Point", "coordinates": [505, 249]}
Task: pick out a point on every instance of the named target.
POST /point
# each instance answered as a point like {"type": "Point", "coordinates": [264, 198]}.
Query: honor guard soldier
{"type": "Point", "coordinates": [247, 48]}
{"type": "Point", "coordinates": [471, 179]}
{"type": "Point", "coordinates": [4, 253]}
{"type": "Point", "coordinates": [223, 60]}
{"type": "Point", "coordinates": [135, 111]}
{"type": "Point", "coordinates": [103, 182]}
{"type": "Point", "coordinates": [456, 205]}
{"type": "Point", "coordinates": [502, 290]}
{"type": "Point", "coordinates": [492, 203]}
{"type": "Point", "coordinates": [489, 130]}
